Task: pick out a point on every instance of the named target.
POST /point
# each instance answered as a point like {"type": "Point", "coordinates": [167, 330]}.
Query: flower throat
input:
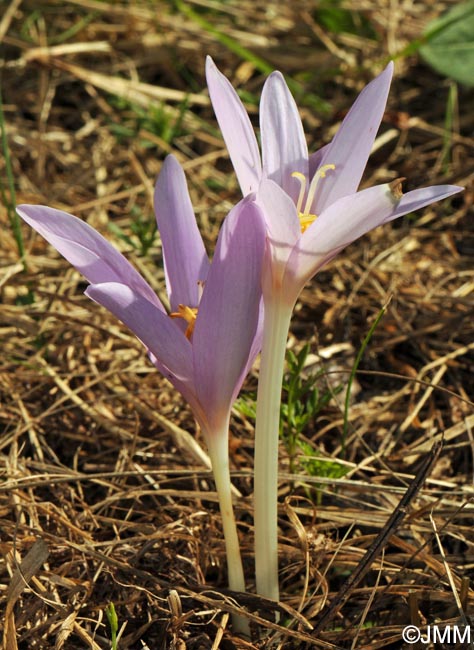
{"type": "Point", "coordinates": [305, 216]}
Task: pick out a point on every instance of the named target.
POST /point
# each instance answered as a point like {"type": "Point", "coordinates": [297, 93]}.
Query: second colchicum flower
{"type": "Point", "coordinates": [207, 343]}
{"type": "Point", "coordinates": [312, 211]}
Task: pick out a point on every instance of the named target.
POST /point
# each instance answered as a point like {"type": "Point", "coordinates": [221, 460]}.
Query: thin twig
{"type": "Point", "coordinates": [381, 540]}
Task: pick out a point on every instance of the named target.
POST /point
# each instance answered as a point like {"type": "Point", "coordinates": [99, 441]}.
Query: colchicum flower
{"type": "Point", "coordinates": [207, 343]}
{"type": "Point", "coordinates": [312, 211]}
{"type": "Point", "coordinates": [311, 204]}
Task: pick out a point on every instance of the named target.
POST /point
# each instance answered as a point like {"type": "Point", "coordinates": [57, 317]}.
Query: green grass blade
{"type": "Point", "coordinates": [355, 366]}
{"type": "Point", "coordinates": [449, 122]}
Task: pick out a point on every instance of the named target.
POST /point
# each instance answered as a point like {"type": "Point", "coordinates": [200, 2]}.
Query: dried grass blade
{"type": "Point", "coordinates": [33, 561]}
{"type": "Point", "coordinates": [8, 17]}
{"type": "Point", "coordinates": [43, 54]}
{"type": "Point", "coordinates": [134, 91]}
{"type": "Point", "coordinates": [10, 200]}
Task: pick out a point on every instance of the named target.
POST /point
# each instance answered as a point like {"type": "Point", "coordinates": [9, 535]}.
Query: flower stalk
{"type": "Point", "coordinates": [276, 324]}
{"type": "Point", "coordinates": [219, 456]}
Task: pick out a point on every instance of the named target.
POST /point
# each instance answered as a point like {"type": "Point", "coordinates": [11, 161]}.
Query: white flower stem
{"type": "Point", "coordinates": [219, 454]}
{"type": "Point", "coordinates": [275, 333]}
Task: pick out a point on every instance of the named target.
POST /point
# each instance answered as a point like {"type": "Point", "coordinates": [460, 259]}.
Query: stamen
{"type": "Point", "coordinates": [302, 179]}
{"type": "Point", "coordinates": [321, 173]}
{"type": "Point", "coordinates": [306, 218]}
{"type": "Point", "coordinates": [189, 314]}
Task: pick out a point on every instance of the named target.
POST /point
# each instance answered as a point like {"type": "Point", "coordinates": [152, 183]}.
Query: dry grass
{"type": "Point", "coordinates": [106, 494]}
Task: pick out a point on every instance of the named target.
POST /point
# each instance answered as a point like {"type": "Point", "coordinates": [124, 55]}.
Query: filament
{"type": "Point", "coordinates": [305, 216]}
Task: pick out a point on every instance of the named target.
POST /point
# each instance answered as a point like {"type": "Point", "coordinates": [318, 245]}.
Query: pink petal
{"type": "Point", "coordinates": [227, 321]}
{"type": "Point", "coordinates": [281, 220]}
{"type": "Point", "coordinates": [85, 249]}
{"type": "Point", "coordinates": [236, 129]}
{"type": "Point", "coordinates": [351, 146]}
{"type": "Point", "coordinates": [422, 197]}
{"type": "Point", "coordinates": [315, 160]}
{"type": "Point", "coordinates": [348, 219]}
{"type": "Point", "coordinates": [284, 148]}
{"type": "Point", "coordinates": [157, 331]}
{"type": "Point", "coordinates": [185, 258]}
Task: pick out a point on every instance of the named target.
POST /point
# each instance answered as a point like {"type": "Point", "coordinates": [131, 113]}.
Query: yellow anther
{"type": "Point", "coordinates": [306, 217]}
{"type": "Point", "coordinates": [306, 220]}
{"type": "Point", "coordinates": [189, 314]}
